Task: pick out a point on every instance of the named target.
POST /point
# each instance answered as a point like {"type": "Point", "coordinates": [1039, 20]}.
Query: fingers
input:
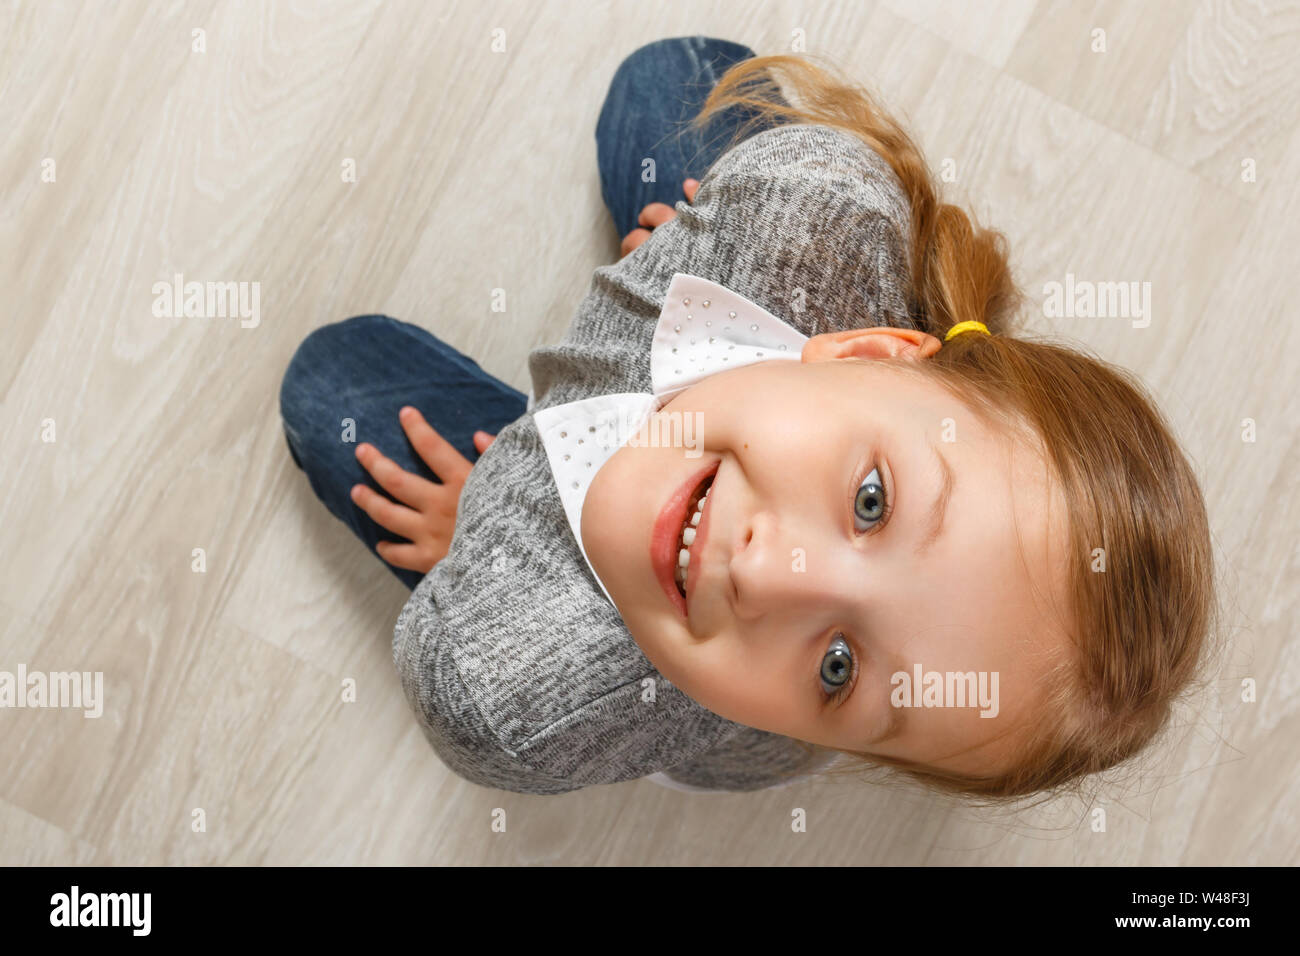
{"type": "Point", "coordinates": [387, 514]}
{"type": "Point", "coordinates": [412, 557]}
{"type": "Point", "coordinates": [482, 440]}
{"type": "Point", "coordinates": [438, 453]}
{"type": "Point", "coordinates": [414, 490]}
{"type": "Point", "coordinates": [656, 214]}
{"type": "Point", "coordinates": [633, 239]}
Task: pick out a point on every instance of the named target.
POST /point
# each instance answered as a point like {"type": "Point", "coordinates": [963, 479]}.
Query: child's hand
{"type": "Point", "coordinates": [430, 519]}
{"type": "Point", "coordinates": [656, 214]}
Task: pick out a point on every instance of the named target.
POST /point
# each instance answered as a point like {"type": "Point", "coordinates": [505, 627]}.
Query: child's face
{"type": "Point", "coordinates": [794, 558]}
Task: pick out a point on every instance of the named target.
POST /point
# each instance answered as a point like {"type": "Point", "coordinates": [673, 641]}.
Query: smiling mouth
{"type": "Point", "coordinates": [690, 531]}
{"type": "Point", "coordinates": [668, 531]}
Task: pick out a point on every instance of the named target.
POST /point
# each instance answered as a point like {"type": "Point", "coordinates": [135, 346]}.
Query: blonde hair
{"type": "Point", "coordinates": [1141, 628]}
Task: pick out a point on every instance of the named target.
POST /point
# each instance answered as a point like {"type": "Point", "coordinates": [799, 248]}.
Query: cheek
{"type": "Point", "coordinates": [622, 485]}
{"type": "Point", "coordinates": [804, 419]}
{"type": "Point", "coordinates": [741, 680]}
{"type": "Point", "coordinates": [599, 512]}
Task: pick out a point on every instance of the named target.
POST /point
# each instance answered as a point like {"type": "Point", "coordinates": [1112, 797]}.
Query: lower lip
{"type": "Point", "coordinates": [667, 532]}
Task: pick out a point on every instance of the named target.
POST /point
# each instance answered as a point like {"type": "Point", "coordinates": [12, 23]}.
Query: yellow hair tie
{"type": "Point", "coordinates": [967, 326]}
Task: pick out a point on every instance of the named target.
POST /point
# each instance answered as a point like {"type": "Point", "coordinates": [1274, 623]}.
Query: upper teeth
{"type": "Point", "coordinates": [688, 538]}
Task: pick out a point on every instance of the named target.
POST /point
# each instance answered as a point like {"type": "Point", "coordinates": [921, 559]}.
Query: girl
{"type": "Point", "coordinates": [883, 531]}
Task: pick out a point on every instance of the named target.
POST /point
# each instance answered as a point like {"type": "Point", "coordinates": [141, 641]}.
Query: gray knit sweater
{"type": "Point", "coordinates": [523, 676]}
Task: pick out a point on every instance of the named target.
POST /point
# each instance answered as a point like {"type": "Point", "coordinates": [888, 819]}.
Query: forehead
{"type": "Point", "coordinates": [1007, 508]}
{"type": "Point", "coordinates": [1001, 563]}
{"type": "Point", "coordinates": [988, 598]}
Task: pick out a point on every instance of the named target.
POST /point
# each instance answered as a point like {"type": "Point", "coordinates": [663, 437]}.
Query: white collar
{"type": "Point", "coordinates": [704, 328]}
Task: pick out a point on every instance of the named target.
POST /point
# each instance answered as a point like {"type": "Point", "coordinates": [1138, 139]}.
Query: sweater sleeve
{"type": "Point", "coordinates": [449, 718]}
{"type": "Point", "coordinates": [752, 760]}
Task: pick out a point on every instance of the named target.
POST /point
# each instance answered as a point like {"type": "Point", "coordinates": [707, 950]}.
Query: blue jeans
{"type": "Point", "coordinates": [655, 93]}
{"type": "Point", "coordinates": [362, 370]}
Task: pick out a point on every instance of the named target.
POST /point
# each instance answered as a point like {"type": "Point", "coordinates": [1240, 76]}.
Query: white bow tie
{"type": "Point", "coordinates": [704, 328]}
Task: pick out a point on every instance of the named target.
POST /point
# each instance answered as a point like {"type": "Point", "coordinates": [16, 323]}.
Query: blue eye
{"type": "Point", "coordinates": [869, 503]}
{"type": "Point", "coordinates": [838, 670]}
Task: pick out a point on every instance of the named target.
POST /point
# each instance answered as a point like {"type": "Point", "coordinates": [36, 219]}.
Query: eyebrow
{"type": "Point", "coordinates": [939, 507]}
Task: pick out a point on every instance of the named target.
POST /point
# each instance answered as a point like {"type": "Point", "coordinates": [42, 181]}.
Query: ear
{"type": "Point", "coordinates": [874, 343]}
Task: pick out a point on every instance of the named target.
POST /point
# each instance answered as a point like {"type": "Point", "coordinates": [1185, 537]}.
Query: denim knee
{"type": "Point", "coordinates": [666, 64]}
{"type": "Point", "coordinates": [689, 48]}
{"type": "Point", "coordinates": [322, 348]}
{"type": "Point", "coordinates": [313, 373]}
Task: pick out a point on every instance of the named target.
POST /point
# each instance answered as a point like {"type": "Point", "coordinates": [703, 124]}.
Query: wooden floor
{"type": "Point", "coordinates": [1172, 157]}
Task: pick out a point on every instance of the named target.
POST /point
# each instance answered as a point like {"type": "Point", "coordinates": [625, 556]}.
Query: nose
{"type": "Point", "coordinates": [774, 569]}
